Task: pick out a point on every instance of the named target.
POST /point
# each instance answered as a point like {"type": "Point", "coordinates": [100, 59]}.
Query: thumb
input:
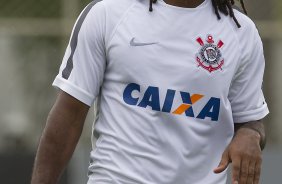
{"type": "Point", "coordinates": [223, 162]}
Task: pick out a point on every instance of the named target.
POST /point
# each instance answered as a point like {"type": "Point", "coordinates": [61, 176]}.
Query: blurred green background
{"type": "Point", "coordinates": [33, 38]}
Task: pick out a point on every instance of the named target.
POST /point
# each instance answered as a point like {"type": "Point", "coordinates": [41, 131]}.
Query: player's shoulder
{"type": "Point", "coordinates": [110, 7]}
{"type": "Point", "coordinates": [247, 24]}
{"type": "Point", "coordinates": [248, 35]}
{"type": "Point", "coordinates": [113, 10]}
{"type": "Point", "coordinates": [117, 5]}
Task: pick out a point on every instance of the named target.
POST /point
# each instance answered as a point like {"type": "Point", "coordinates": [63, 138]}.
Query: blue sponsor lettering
{"type": "Point", "coordinates": [211, 109]}
{"type": "Point", "coordinates": [151, 98]}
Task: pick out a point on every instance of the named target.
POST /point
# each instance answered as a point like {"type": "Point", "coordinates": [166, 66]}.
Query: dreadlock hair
{"type": "Point", "coordinates": [224, 6]}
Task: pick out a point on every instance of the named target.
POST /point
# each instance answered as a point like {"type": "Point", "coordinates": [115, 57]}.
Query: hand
{"type": "Point", "coordinates": [246, 156]}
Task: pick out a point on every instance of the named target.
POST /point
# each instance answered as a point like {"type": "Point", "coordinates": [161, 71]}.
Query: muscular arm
{"type": "Point", "coordinates": [60, 136]}
{"type": "Point", "coordinates": [245, 153]}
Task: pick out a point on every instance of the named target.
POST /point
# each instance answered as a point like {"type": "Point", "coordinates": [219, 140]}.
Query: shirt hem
{"type": "Point", "coordinates": [73, 90]}
{"type": "Point", "coordinates": [252, 115]}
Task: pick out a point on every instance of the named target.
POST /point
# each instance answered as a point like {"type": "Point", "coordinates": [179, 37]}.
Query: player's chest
{"type": "Point", "coordinates": [206, 52]}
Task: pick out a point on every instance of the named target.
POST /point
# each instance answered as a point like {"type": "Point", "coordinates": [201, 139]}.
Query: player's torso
{"type": "Point", "coordinates": [171, 53]}
{"type": "Point", "coordinates": [164, 102]}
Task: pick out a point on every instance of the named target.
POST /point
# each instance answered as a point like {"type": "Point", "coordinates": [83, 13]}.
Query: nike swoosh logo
{"type": "Point", "coordinates": [136, 44]}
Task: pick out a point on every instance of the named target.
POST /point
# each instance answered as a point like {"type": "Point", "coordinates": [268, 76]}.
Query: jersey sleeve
{"type": "Point", "coordinates": [245, 94]}
{"type": "Point", "coordinates": [82, 69]}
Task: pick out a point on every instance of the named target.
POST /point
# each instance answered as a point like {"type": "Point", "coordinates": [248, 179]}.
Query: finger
{"type": "Point", "coordinates": [257, 171]}
{"type": "Point", "coordinates": [244, 171]}
{"type": "Point", "coordinates": [236, 165]}
{"type": "Point", "coordinates": [223, 163]}
{"type": "Point", "coordinates": [251, 173]}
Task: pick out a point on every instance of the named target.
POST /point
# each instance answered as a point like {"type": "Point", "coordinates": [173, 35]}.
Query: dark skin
{"type": "Point", "coordinates": [246, 158]}
{"type": "Point", "coordinates": [60, 136]}
{"type": "Point", "coordinates": [66, 119]}
{"type": "Point", "coordinates": [185, 3]}
{"type": "Point", "coordinates": [245, 153]}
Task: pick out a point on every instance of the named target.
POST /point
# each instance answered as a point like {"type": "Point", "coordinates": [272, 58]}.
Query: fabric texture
{"type": "Point", "coordinates": [170, 83]}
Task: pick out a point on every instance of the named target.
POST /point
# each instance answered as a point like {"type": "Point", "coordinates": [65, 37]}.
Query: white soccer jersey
{"type": "Point", "coordinates": [170, 84]}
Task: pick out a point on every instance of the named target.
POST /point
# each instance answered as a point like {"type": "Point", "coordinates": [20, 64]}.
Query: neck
{"type": "Point", "coordinates": [185, 3]}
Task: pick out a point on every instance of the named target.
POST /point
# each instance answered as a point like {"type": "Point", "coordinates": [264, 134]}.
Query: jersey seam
{"type": "Point", "coordinates": [104, 27]}
{"type": "Point", "coordinates": [241, 64]}
{"type": "Point", "coordinates": [240, 56]}
{"type": "Point", "coordinates": [118, 24]}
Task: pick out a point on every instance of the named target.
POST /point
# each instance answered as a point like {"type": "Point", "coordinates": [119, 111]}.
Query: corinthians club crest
{"type": "Point", "coordinates": [209, 56]}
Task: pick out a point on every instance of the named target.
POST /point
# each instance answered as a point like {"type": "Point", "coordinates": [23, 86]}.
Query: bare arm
{"type": "Point", "coordinates": [245, 153]}
{"type": "Point", "coordinates": [255, 126]}
{"type": "Point", "coordinates": [60, 136]}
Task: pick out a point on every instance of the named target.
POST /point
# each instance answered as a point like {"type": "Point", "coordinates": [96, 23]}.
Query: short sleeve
{"type": "Point", "coordinates": [245, 94]}
{"type": "Point", "coordinates": [82, 69]}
